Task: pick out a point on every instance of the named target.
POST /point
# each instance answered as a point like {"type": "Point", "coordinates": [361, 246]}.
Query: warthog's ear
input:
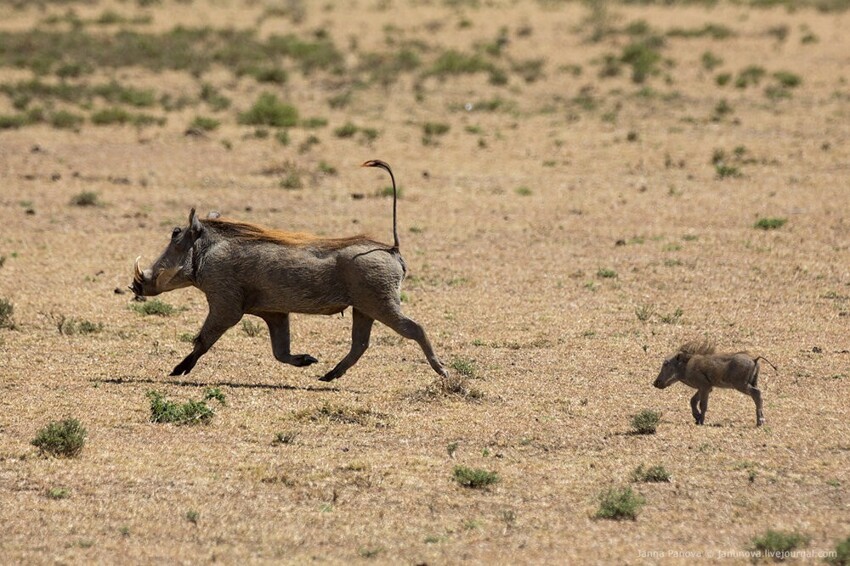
{"type": "Point", "coordinates": [195, 226]}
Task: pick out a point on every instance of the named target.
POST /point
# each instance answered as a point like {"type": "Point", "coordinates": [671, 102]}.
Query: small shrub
{"type": "Point", "coordinates": [7, 309]}
{"type": "Point", "coordinates": [65, 120]}
{"type": "Point", "coordinates": [313, 123]}
{"type": "Point", "coordinates": [653, 474]}
{"type": "Point", "coordinates": [606, 273]}
{"type": "Point", "coordinates": [643, 56]}
{"type": "Point", "coordinates": [619, 504]}
{"type": "Point", "coordinates": [645, 422]}
{"type": "Point", "coordinates": [213, 98]}
{"type": "Point", "coordinates": [270, 75]}
{"type": "Point", "coordinates": [770, 223]}
{"type": "Point", "coordinates": [474, 478]}
{"type": "Point", "coordinates": [61, 438]}
{"type": "Point", "coordinates": [192, 516]}
{"type": "Point", "coordinates": [291, 180]}
{"type": "Point", "coordinates": [842, 554]}
{"type": "Point", "coordinates": [750, 76]}
{"type": "Point", "coordinates": [435, 128]}
{"type": "Point", "coordinates": [191, 412]}
{"type": "Point", "coordinates": [109, 116]}
{"type": "Point", "coordinates": [721, 109]}
{"type": "Point", "coordinates": [87, 327]}
{"type": "Point", "coordinates": [326, 168]}
{"type": "Point", "coordinates": [282, 137]}
{"type": "Point", "coordinates": [346, 131]}
{"type": "Point", "coordinates": [779, 543]}
{"type": "Point", "coordinates": [787, 79]}
{"type": "Point", "coordinates": [524, 191]}
{"type": "Point", "coordinates": [86, 198]}
{"type": "Point", "coordinates": [269, 111]}
{"type": "Point", "coordinates": [153, 307]}
{"type": "Point", "coordinates": [710, 61]}
{"type": "Point", "coordinates": [204, 123]}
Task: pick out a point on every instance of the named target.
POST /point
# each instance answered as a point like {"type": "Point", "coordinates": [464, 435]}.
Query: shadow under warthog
{"type": "Point", "coordinates": [234, 385]}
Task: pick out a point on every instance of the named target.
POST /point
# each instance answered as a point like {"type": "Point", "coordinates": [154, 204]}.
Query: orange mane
{"type": "Point", "coordinates": [252, 232]}
{"type": "Point", "coordinates": [703, 346]}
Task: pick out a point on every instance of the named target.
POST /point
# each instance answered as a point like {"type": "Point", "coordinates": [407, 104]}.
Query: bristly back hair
{"type": "Point", "coordinates": [699, 346]}
{"type": "Point", "coordinates": [253, 232]}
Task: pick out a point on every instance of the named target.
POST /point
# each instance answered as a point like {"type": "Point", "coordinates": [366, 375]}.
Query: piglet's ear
{"type": "Point", "coordinates": [195, 226]}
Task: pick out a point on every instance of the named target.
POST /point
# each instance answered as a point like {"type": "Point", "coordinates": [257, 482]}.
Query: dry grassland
{"type": "Point", "coordinates": [582, 202]}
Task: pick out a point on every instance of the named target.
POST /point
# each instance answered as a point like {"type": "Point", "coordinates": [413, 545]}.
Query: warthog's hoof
{"type": "Point", "coordinates": [302, 360]}
{"type": "Point", "coordinates": [331, 375]}
{"type": "Point", "coordinates": [760, 422]}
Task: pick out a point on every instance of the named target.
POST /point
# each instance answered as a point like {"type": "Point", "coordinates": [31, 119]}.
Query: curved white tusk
{"type": "Point", "coordinates": [137, 272]}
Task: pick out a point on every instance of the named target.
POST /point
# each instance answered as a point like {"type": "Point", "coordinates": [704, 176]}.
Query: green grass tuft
{"type": "Point", "coordinates": [770, 223]}
{"type": "Point", "coordinates": [779, 543]}
{"type": "Point", "coordinates": [191, 412]}
{"type": "Point", "coordinates": [653, 474]}
{"type": "Point", "coordinates": [269, 111]}
{"type": "Point", "coordinates": [61, 438]}
{"type": "Point", "coordinates": [645, 422]}
{"type": "Point", "coordinates": [619, 504]}
{"type": "Point", "coordinates": [153, 307]}
{"type": "Point", "coordinates": [474, 478]}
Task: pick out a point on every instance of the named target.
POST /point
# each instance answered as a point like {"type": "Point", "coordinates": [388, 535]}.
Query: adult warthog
{"type": "Point", "coordinates": [247, 269]}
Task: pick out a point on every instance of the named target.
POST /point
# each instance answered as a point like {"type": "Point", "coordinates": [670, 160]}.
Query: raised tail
{"type": "Point", "coordinates": [757, 358]}
{"type": "Point", "coordinates": [385, 165]}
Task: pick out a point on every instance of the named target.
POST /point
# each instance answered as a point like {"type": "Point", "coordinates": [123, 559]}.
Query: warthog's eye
{"type": "Point", "coordinates": [175, 233]}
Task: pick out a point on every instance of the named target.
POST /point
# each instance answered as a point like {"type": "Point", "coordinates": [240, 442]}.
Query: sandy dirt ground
{"type": "Point", "coordinates": [538, 230]}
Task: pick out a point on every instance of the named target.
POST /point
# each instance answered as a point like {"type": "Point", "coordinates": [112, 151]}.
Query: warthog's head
{"type": "Point", "coordinates": [173, 269]}
{"type": "Point", "coordinates": [672, 370]}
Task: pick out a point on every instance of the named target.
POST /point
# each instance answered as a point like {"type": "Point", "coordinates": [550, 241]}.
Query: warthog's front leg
{"type": "Point", "coordinates": [703, 404]}
{"type": "Point", "coordinates": [694, 410]}
{"type": "Point", "coordinates": [218, 321]}
{"type": "Point", "coordinates": [279, 333]}
{"type": "Point", "coordinates": [361, 329]}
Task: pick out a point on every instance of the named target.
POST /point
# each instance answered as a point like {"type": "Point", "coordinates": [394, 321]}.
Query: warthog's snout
{"type": "Point", "coordinates": [143, 281]}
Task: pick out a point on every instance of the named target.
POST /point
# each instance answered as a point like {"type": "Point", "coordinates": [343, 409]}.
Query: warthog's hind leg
{"type": "Point", "coordinates": [361, 330]}
{"type": "Point", "coordinates": [395, 319]}
{"type": "Point", "coordinates": [755, 393]}
{"type": "Point", "coordinates": [279, 334]}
